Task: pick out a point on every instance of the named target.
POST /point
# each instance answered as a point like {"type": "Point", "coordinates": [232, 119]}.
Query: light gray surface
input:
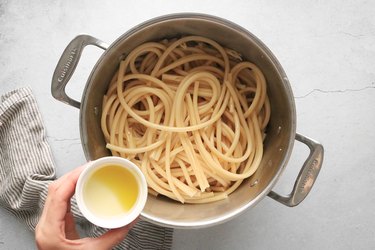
{"type": "Point", "coordinates": [327, 49]}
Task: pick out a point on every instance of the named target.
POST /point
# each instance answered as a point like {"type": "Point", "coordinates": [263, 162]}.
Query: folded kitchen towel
{"type": "Point", "coordinates": [27, 168]}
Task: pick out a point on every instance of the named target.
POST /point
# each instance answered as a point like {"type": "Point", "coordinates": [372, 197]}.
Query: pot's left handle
{"type": "Point", "coordinates": [67, 64]}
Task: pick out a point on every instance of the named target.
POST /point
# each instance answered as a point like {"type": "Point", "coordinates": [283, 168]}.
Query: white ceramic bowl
{"type": "Point", "coordinates": [116, 221]}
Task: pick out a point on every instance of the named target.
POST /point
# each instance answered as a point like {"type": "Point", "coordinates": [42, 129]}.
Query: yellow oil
{"type": "Point", "coordinates": [110, 191]}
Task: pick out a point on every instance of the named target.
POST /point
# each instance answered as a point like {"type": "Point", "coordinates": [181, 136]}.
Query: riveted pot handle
{"type": "Point", "coordinates": [307, 175]}
{"type": "Point", "coordinates": [67, 64]}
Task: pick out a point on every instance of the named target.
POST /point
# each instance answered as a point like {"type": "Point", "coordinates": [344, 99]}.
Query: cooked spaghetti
{"type": "Point", "coordinates": [191, 114]}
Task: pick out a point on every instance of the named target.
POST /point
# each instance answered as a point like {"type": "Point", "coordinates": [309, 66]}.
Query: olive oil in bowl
{"type": "Point", "coordinates": [110, 191]}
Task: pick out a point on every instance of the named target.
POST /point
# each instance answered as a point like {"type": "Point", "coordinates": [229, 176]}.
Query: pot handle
{"type": "Point", "coordinates": [68, 63]}
{"type": "Point", "coordinates": [307, 175]}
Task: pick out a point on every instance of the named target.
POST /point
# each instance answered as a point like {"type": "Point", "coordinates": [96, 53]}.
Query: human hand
{"type": "Point", "coordinates": [56, 228]}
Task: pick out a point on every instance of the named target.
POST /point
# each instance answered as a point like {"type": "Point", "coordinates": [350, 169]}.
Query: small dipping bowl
{"type": "Point", "coordinates": [103, 178]}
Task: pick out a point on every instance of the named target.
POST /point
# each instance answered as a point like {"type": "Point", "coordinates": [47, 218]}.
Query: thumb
{"type": "Point", "coordinates": [109, 239]}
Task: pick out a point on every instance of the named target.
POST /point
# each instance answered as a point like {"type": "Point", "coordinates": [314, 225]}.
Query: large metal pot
{"type": "Point", "coordinates": [281, 129]}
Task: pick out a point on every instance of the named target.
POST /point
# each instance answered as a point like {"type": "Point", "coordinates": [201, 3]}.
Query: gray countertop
{"type": "Point", "coordinates": [327, 49]}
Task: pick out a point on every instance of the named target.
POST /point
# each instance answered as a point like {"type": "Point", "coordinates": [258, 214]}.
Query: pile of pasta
{"type": "Point", "coordinates": [191, 114]}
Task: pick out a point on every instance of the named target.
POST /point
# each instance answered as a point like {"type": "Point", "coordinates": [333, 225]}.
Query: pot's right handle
{"type": "Point", "coordinates": [67, 64]}
{"type": "Point", "coordinates": [307, 175]}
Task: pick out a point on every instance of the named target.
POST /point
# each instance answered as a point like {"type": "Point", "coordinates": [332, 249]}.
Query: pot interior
{"type": "Point", "coordinates": [280, 131]}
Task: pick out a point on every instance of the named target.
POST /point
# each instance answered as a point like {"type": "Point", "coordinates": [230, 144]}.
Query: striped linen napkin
{"type": "Point", "coordinates": [26, 169]}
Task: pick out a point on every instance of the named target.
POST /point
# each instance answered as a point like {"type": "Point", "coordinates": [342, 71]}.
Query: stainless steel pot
{"type": "Point", "coordinates": [281, 129]}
